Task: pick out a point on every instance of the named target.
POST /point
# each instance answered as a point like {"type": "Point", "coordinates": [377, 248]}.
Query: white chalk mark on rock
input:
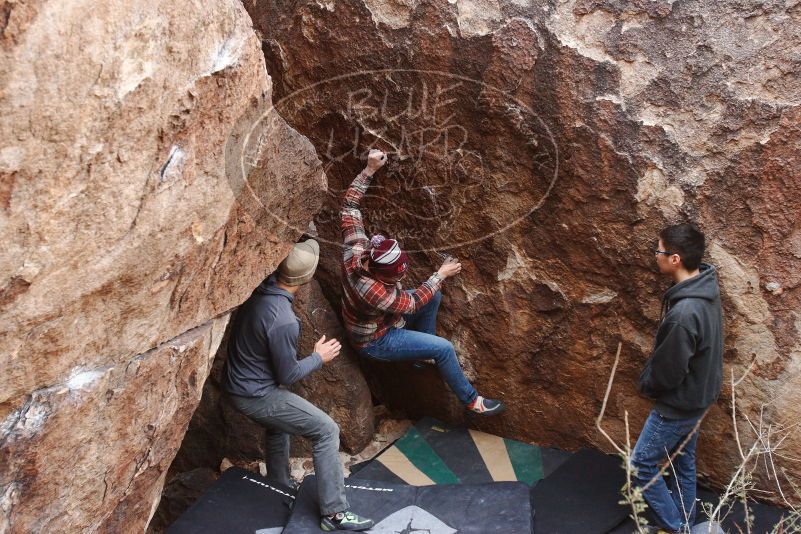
{"type": "Point", "coordinates": [227, 54]}
{"type": "Point", "coordinates": [601, 297]}
{"type": "Point", "coordinates": [82, 379]}
{"type": "Point", "coordinates": [174, 166]}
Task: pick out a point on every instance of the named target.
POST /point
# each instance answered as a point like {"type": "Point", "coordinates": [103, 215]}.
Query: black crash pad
{"type": "Point", "coordinates": [766, 518]}
{"type": "Point", "coordinates": [239, 502]}
{"type": "Point", "coordinates": [552, 459]}
{"type": "Point", "coordinates": [500, 507]}
{"type": "Point", "coordinates": [581, 496]}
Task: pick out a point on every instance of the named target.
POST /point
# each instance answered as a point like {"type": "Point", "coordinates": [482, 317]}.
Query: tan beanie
{"type": "Point", "coordinates": [299, 265]}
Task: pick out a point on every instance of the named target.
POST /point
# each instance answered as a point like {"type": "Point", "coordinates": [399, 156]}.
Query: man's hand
{"type": "Point", "coordinates": [375, 160]}
{"type": "Point", "coordinates": [328, 350]}
{"type": "Point", "coordinates": [451, 267]}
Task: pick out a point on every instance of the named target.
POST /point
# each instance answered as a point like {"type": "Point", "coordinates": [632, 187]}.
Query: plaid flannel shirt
{"type": "Point", "coordinates": [370, 307]}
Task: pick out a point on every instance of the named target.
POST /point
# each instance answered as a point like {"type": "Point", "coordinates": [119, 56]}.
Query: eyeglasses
{"type": "Point", "coordinates": [665, 252]}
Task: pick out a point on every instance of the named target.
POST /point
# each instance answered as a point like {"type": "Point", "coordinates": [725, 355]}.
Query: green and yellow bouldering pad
{"type": "Point", "coordinates": [432, 452]}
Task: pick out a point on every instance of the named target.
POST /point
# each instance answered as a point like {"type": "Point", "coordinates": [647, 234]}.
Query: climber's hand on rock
{"type": "Point", "coordinates": [375, 160]}
{"type": "Point", "coordinates": [450, 267]}
{"type": "Point", "coordinates": [328, 350]}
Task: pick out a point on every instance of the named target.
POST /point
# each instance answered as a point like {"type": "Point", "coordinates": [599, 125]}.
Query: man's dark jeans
{"type": "Point", "coordinates": [418, 341]}
{"type": "Point", "coordinates": [675, 508]}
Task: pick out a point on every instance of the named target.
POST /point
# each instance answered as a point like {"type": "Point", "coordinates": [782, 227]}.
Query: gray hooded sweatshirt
{"type": "Point", "coordinates": [263, 347]}
{"type": "Point", "coordinates": [685, 371]}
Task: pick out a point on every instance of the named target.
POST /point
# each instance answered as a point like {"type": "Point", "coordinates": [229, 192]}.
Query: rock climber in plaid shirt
{"type": "Point", "coordinates": [383, 321]}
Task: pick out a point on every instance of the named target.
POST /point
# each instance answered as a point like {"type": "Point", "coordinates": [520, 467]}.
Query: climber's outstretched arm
{"type": "Point", "coordinates": [353, 236]}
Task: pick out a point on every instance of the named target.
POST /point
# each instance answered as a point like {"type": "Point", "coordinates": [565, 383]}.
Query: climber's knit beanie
{"type": "Point", "coordinates": [299, 265]}
{"type": "Point", "coordinates": [386, 257]}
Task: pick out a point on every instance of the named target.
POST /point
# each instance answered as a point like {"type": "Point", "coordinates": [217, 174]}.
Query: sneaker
{"type": "Point", "coordinates": [707, 527]}
{"type": "Point", "coordinates": [484, 406]}
{"type": "Point", "coordinates": [345, 521]}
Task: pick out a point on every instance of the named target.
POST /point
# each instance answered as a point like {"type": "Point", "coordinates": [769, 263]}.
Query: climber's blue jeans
{"type": "Point", "coordinates": [673, 508]}
{"type": "Point", "coordinates": [418, 341]}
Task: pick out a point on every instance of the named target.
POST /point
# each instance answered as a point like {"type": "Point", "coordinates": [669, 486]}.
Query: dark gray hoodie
{"type": "Point", "coordinates": [685, 371]}
{"type": "Point", "coordinates": [263, 347]}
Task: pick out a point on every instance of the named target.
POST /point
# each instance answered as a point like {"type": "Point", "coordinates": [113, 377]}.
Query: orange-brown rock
{"type": "Point", "coordinates": [546, 144]}
{"type": "Point", "coordinates": [145, 189]}
{"type": "Point", "coordinates": [90, 455]}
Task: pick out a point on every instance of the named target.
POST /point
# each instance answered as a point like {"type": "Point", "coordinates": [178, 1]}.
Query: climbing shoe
{"type": "Point", "coordinates": [484, 406]}
{"type": "Point", "coordinates": [345, 521]}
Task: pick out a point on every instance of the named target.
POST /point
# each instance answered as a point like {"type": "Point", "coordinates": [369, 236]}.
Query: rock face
{"type": "Point", "coordinates": [217, 430]}
{"type": "Point", "coordinates": [107, 435]}
{"type": "Point", "coordinates": [339, 388]}
{"type": "Point", "coordinates": [139, 166]}
{"type": "Point", "coordinates": [179, 494]}
{"type": "Point", "coordinates": [546, 145]}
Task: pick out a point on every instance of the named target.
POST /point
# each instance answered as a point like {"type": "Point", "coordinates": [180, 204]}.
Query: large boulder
{"type": "Point", "coordinates": [546, 144]}
{"type": "Point", "coordinates": [146, 186]}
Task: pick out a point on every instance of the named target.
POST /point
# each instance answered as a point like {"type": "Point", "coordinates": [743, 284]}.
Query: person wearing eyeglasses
{"type": "Point", "coordinates": [683, 376]}
{"type": "Point", "coordinates": [385, 322]}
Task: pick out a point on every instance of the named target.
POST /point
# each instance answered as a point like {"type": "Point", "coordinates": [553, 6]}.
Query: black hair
{"type": "Point", "coordinates": [687, 241]}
